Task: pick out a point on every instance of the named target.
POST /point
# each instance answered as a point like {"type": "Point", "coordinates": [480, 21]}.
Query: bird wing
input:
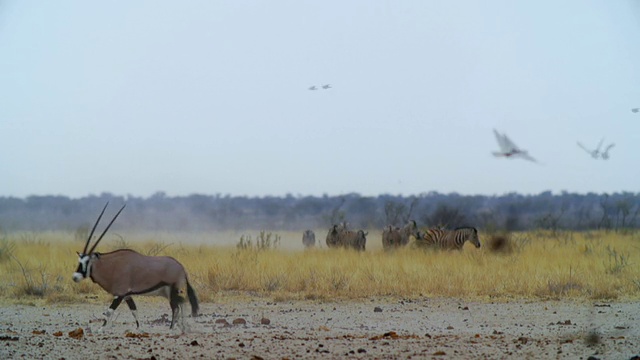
{"type": "Point", "coordinates": [584, 148]}
{"type": "Point", "coordinates": [599, 145]}
{"type": "Point", "coordinates": [609, 147]}
{"type": "Point", "coordinates": [509, 144]}
{"type": "Point", "coordinates": [526, 156]}
{"type": "Point", "coordinates": [502, 143]}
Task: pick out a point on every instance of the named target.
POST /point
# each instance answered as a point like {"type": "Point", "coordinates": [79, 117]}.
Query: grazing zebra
{"type": "Point", "coordinates": [449, 239]}
{"type": "Point", "coordinates": [308, 238]}
{"type": "Point", "coordinates": [397, 237]}
{"type": "Point", "coordinates": [338, 236]}
{"type": "Point", "coordinates": [356, 240]}
{"type": "Point", "coordinates": [390, 237]}
{"type": "Point", "coordinates": [333, 237]}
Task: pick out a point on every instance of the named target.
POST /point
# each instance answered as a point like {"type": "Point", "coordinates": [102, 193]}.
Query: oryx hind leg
{"type": "Point", "coordinates": [176, 301]}
{"type": "Point", "coordinates": [134, 310]}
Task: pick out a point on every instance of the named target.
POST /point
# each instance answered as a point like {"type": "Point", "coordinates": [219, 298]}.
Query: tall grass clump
{"type": "Point", "coordinates": [6, 249]}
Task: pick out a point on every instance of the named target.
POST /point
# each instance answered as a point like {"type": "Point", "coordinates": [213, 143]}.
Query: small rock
{"type": "Point", "coordinates": [265, 321]}
{"type": "Point", "coordinates": [77, 333]}
{"type": "Point", "coordinates": [377, 309]}
{"type": "Point", "coordinates": [239, 321]}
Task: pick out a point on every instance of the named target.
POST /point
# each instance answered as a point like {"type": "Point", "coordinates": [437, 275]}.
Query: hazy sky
{"type": "Point", "coordinates": [135, 97]}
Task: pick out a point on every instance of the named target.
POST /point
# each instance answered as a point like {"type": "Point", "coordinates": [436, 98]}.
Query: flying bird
{"type": "Point", "coordinates": [605, 153]}
{"type": "Point", "coordinates": [313, 87]}
{"type": "Point", "coordinates": [510, 150]}
{"type": "Point", "coordinates": [635, 110]}
{"type": "Point", "coordinates": [326, 86]}
{"type": "Point", "coordinates": [594, 153]}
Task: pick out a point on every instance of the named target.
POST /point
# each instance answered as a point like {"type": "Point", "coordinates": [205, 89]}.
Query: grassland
{"type": "Point", "coordinates": [533, 265]}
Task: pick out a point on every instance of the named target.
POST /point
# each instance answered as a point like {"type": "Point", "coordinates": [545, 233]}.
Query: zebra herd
{"type": "Point", "coordinates": [339, 236]}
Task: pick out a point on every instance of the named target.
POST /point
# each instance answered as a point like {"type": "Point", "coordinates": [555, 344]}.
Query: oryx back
{"type": "Point", "coordinates": [127, 272]}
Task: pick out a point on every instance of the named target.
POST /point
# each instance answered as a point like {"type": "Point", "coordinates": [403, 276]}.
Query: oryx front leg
{"type": "Point", "coordinates": [112, 308]}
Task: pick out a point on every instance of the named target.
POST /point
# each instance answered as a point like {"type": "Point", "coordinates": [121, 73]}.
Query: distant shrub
{"type": "Point", "coordinates": [501, 244]}
{"type": "Point", "coordinates": [264, 241]}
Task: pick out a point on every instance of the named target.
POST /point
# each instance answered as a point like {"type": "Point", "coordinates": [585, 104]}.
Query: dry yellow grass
{"type": "Point", "coordinates": [594, 265]}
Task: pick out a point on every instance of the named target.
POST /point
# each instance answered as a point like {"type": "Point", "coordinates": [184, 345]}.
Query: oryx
{"type": "Point", "coordinates": [124, 273]}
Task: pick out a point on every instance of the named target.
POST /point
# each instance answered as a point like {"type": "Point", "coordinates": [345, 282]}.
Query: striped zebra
{"type": "Point", "coordinates": [394, 237]}
{"type": "Point", "coordinates": [449, 239]}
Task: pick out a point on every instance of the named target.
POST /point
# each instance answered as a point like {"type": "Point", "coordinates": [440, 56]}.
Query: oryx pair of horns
{"type": "Point", "coordinates": [103, 233]}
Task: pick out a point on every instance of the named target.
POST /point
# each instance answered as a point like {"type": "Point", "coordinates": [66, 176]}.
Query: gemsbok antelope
{"type": "Point", "coordinates": [124, 273]}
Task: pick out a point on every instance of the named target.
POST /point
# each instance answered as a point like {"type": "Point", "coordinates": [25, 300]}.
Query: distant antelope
{"type": "Point", "coordinates": [124, 273]}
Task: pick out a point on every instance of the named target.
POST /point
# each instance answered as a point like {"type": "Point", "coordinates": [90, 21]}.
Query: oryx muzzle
{"type": "Point", "coordinates": [124, 273]}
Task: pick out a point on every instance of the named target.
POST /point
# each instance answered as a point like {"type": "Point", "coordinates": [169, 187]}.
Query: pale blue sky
{"type": "Point", "coordinates": [134, 97]}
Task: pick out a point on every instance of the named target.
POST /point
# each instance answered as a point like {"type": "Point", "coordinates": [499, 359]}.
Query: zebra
{"type": "Point", "coordinates": [449, 239]}
{"type": "Point", "coordinates": [308, 238]}
{"type": "Point", "coordinates": [339, 236]}
{"type": "Point", "coordinates": [356, 240]}
{"type": "Point", "coordinates": [398, 237]}
{"type": "Point", "coordinates": [333, 237]}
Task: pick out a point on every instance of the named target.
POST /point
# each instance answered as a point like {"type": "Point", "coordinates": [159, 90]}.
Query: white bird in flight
{"type": "Point", "coordinates": [605, 153]}
{"type": "Point", "coordinates": [313, 87]}
{"type": "Point", "coordinates": [635, 110]}
{"type": "Point", "coordinates": [510, 150]}
{"type": "Point", "coordinates": [596, 153]}
{"type": "Point", "coordinates": [326, 86]}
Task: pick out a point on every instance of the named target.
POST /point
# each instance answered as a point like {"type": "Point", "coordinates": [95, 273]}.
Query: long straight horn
{"type": "Point", "coordinates": [86, 245]}
{"type": "Point", "coordinates": [107, 228]}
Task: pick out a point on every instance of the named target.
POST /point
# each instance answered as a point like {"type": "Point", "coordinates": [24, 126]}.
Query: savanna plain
{"type": "Point", "coordinates": [531, 295]}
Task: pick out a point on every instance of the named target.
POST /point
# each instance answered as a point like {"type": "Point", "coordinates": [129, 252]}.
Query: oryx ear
{"type": "Point", "coordinates": [78, 253]}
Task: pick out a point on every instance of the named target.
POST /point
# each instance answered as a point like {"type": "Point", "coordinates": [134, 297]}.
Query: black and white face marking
{"type": "Point", "coordinates": [83, 270]}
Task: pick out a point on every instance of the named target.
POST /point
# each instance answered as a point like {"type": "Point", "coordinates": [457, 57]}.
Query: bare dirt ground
{"type": "Point", "coordinates": [383, 328]}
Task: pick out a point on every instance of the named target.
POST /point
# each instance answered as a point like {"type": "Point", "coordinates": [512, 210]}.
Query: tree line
{"type": "Point", "coordinates": [159, 212]}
